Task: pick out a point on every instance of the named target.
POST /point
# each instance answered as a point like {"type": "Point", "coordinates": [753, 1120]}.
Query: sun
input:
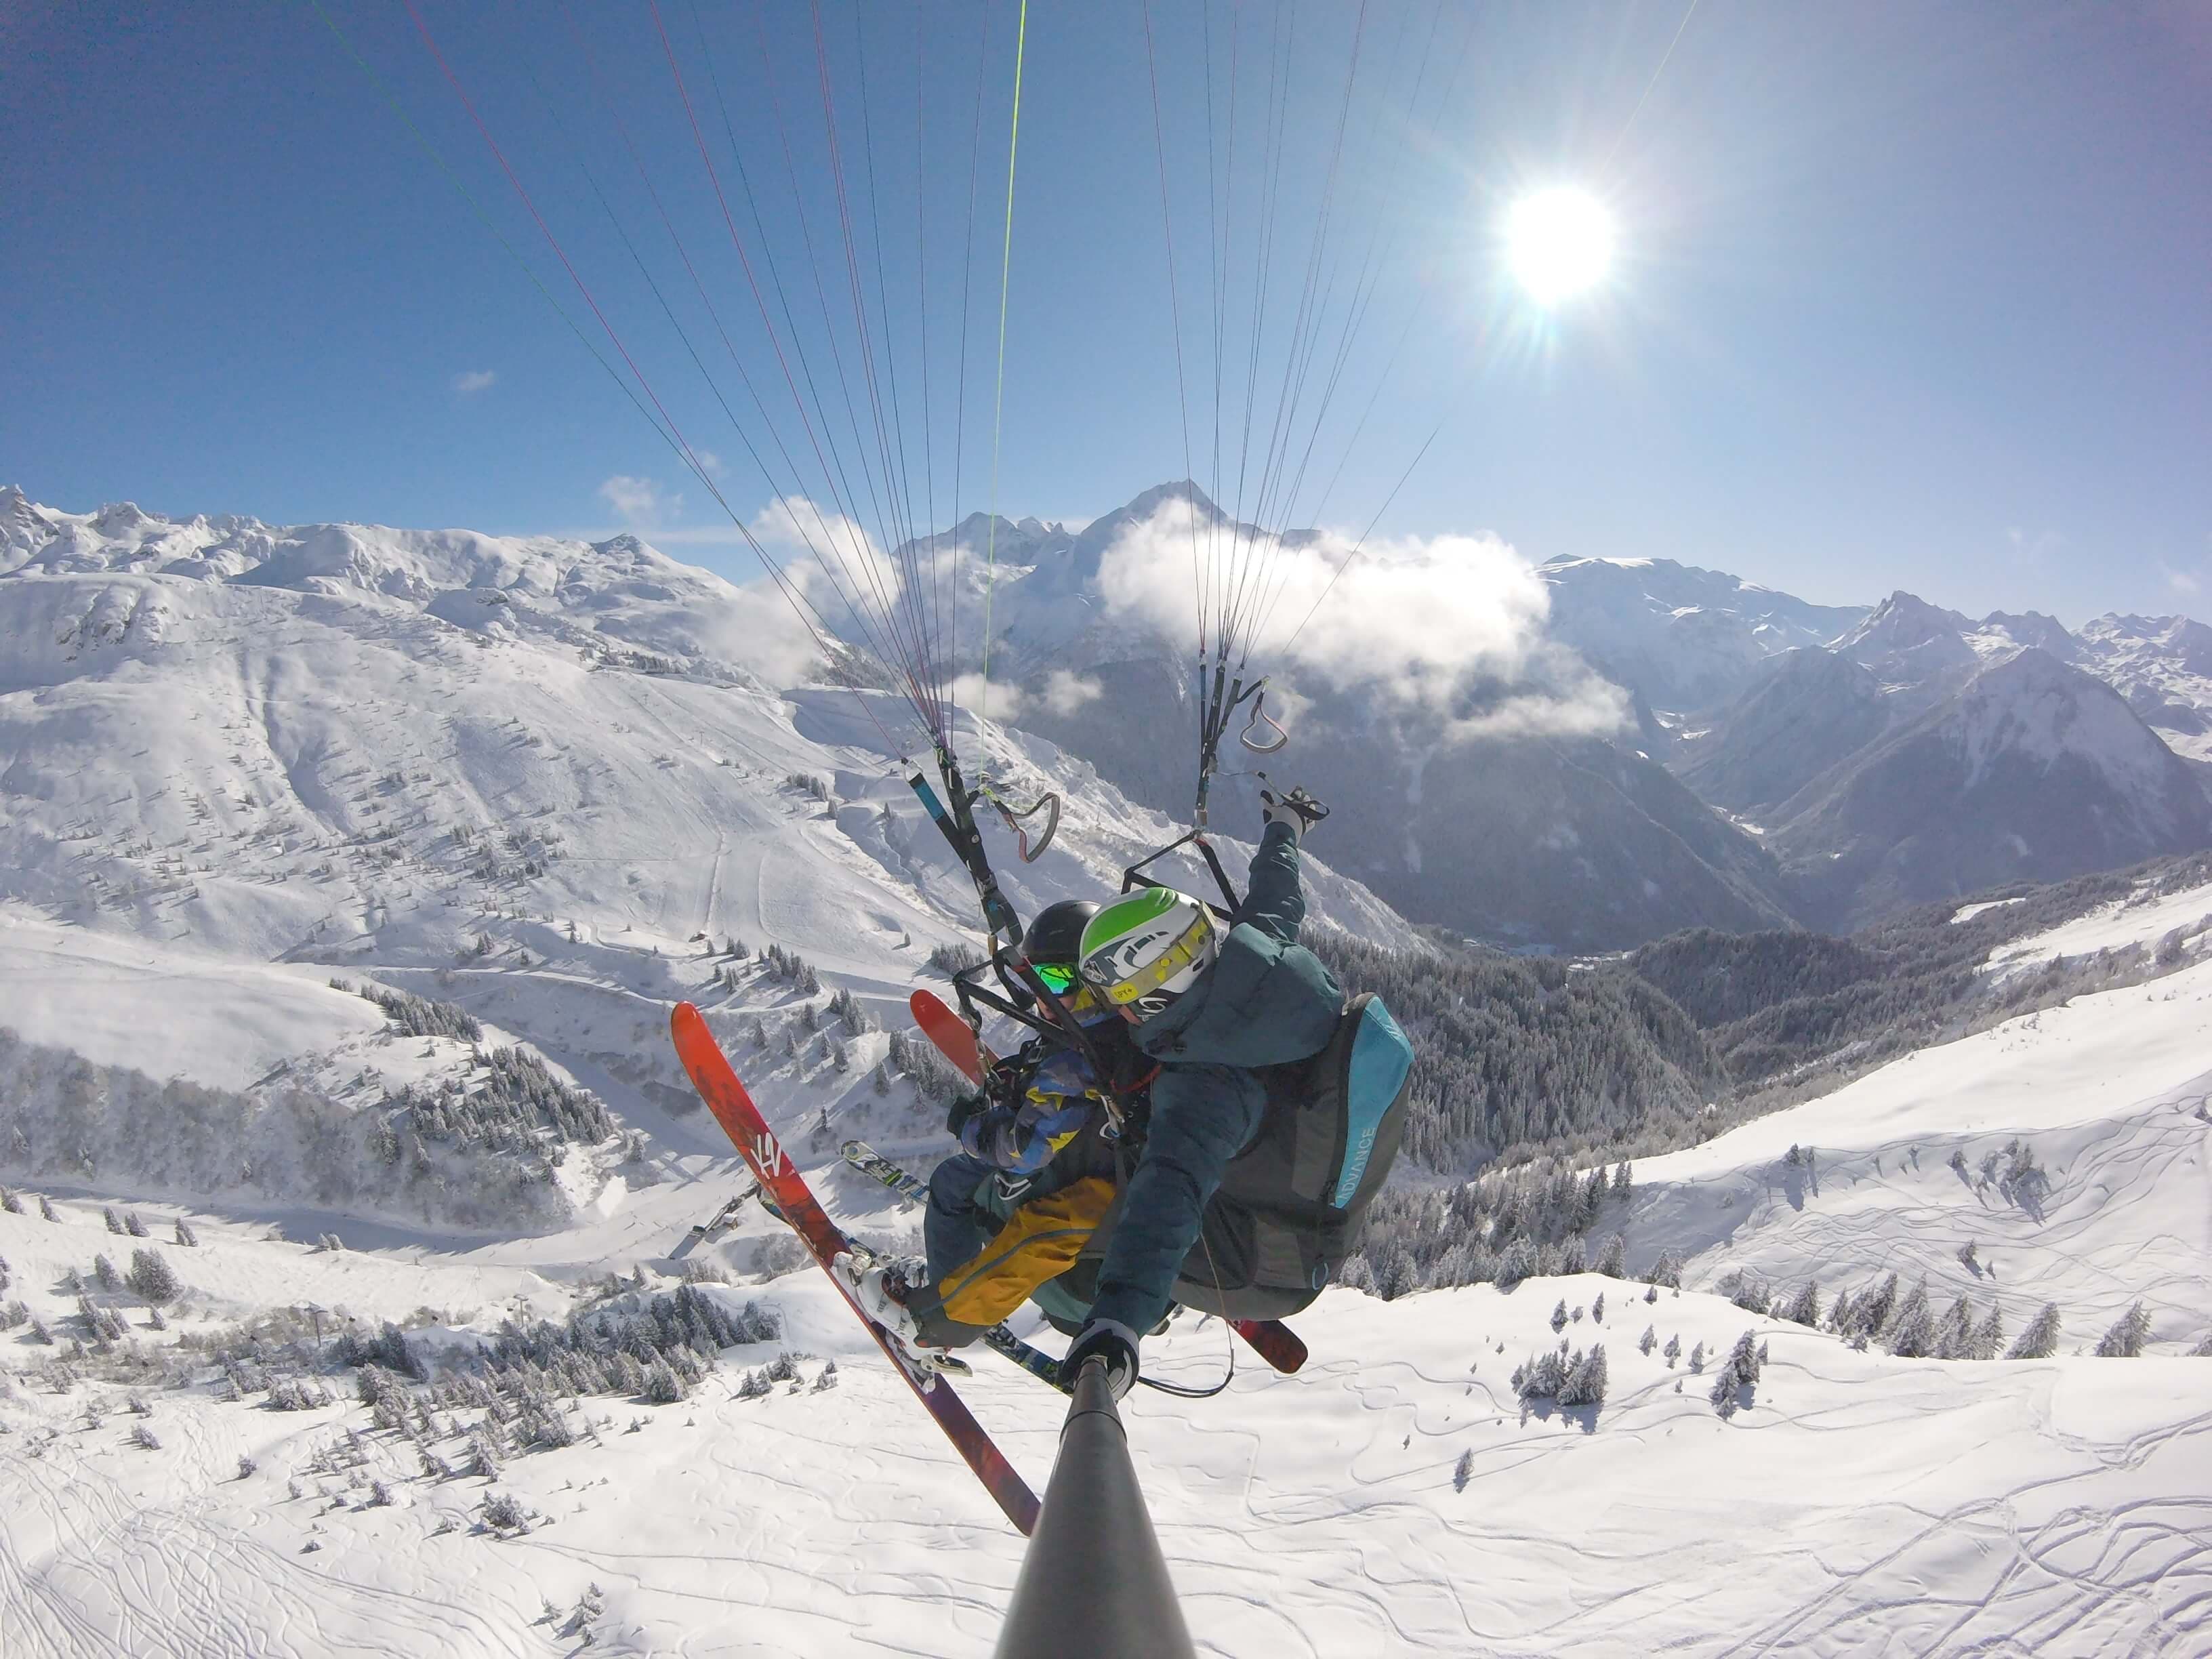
{"type": "Point", "coordinates": [1559, 243]}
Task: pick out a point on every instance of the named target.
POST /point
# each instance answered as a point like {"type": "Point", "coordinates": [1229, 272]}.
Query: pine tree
{"type": "Point", "coordinates": [185, 1235]}
{"type": "Point", "coordinates": [10, 1202]}
{"type": "Point", "coordinates": [114, 1222]}
{"type": "Point", "coordinates": [1647, 1342]}
{"type": "Point", "coordinates": [1673, 1350]}
{"type": "Point", "coordinates": [47, 1209]}
{"type": "Point", "coordinates": [133, 1225]}
{"type": "Point", "coordinates": [1613, 1260]}
{"type": "Point", "coordinates": [1744, 1358]}
{"type": "Point", "coordinates": [2125, 1338]}
{"type": "Point", "coordinates": [1597, 1310]}
{"type": "Point", "coordinates": [1804, 1308]}
{"type": "Point", "coordinates": [103, 1271]}
{"type": "Point", "coordinates": [1585, 1382]}
{"type": "Point", "coordinates": [2040, 1339]}
{"type": "Point", "coordinates": [1912, 1330]}
{"type": "Point", "coordinates": [1988, 1336]}
{"type": "Point", "coordinates": [1559, 1315]}
{"type": "Point", "coordinates": [152, 1277]}
{"type": "Point", "coordinates": [1464, 1471]}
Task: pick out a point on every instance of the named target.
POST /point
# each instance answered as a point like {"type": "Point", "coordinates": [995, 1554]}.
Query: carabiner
{"type": "Point", "coordinates": [1259, 718]}
{"type": "Point", "coordinates": [1048, 802]}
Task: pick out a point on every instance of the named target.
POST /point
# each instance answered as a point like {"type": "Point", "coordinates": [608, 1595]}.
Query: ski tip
{"type": "Point", "coordinates": [682, 1014]}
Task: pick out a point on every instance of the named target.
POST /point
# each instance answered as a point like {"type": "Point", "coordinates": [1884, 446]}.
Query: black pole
{"type": "Point", "coordinates": [1093, 1585]}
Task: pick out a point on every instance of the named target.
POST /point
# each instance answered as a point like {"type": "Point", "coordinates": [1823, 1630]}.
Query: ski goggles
{"type": "Point", "coordinates": [1057, 977]}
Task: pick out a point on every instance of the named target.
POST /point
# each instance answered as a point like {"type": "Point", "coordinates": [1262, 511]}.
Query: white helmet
{"type": "Point", "coordinates": [1142, 953]}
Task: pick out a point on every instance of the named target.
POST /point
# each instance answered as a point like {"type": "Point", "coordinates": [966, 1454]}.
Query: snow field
{"type": "Point", "coordinates": [2112, 1092]}
{"type": "Point", "coordinates": [2143, 919]}
{"type": "Point", "coordinates": [1857, 1504]}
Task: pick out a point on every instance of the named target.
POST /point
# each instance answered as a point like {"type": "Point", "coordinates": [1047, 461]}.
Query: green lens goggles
{"type": "Point", "coordinates": [1058, 978]}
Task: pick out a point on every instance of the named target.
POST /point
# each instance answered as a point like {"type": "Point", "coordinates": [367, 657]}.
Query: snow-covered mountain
{"type": "Point", "coordinates": [1809, 711]}
{"type": "Point", "coordinates": [530, 778]}
{"type": "Point", "coordinates": [2034, 771]}
{"type": "Point", "coordinates": [544, 786]}
{"type": "Point", "coordinates": [1679, 636]}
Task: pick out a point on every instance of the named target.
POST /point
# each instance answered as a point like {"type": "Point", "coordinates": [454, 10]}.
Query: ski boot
{"type": "Point", "coordinates": [879, 1286]}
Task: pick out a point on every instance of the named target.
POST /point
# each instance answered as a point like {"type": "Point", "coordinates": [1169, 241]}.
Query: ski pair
{"type": "Point", "coordinates": [1000, 1340]}
{"type": "Point", "coordinates": [725, 1097]}
{"type": "Point", "coordinates": [1273, 1340]}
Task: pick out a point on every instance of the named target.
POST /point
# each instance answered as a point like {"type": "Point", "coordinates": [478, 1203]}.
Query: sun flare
{"type": "Point", "coordinates": [1559, 243]}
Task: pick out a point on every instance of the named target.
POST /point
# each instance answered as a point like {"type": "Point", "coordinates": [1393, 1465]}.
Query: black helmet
{"type": "Point", "coordinates": [1056, 935]}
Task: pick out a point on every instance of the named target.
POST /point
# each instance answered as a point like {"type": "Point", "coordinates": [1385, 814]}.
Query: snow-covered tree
{"type": "Point", "coordinates": [2124, 1341]}
{"type": "Point", "coordinates": [1559, 1315]}
{"type": "Point", "coordinates": [10, 1202]}
{"type": "Point", "coordinates": [1585, 1380]}
{"type": "Point", "coordinates": [185, 1235]}
{"type": "Point", "coordinates": [1612, 1259]}
{"type": "Point", "coordinates": [104, 1274]}
{"type": "Point", "coordinates": [47, 1209]}
{"type": "Point", "coordinates": [1804, 1308]}
{"type": "Point", "coordinates": [1912, 1332]}
{"type": "Point", "coordinates": [1464, 1471]}
{"type": "Point", "coordinates": [2040, 1339]}
{"type": "Point", "coordinates": [133, 1225]}
{"type": "Point", "coordinates": [114, 1222]}
{"type": "Point", "coordinates": [152, 1277]}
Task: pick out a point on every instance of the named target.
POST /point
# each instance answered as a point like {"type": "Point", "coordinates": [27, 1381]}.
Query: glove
{"type": "Point", "coordinates": [961, 1110]}
{"type": "Point", "coordinates": [1300, 811]}
{"type": "Point", "coordinates": [1107, 1339]}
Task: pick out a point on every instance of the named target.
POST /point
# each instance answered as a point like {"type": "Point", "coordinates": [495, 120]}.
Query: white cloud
{"type": "Point", "coordinates": [996, 700]}
{"type": "Point", "coordinates": [474, 379]}
{"type": "Point", "coordinates": [1066, 692]}
{"type": "Point", "coordinates": [638, 502]}
{"type": "Point", "coordinates": [2181, 581]}
{"type": "Point", "coordinates": [814, 545]}
{"type": "Point", "coordinates": [1439, 623]}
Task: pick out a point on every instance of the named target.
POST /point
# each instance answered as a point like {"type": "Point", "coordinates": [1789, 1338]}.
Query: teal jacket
{"type": "Point", "coordinates": [1266, 1000]}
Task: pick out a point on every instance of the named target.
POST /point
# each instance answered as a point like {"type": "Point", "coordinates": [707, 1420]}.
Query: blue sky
{"type": "Point", "coordinates": [1909, 296]}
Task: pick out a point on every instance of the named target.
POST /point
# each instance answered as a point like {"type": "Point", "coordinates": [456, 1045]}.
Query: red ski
{"type": "Point", "coordinates": [949, 1032]}
{"type": "Point", "coordinates": [725, 1097]}
{"type": "Point", "coordinates": [1272, 1339]}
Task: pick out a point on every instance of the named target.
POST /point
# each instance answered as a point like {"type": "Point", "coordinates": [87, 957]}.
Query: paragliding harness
{"type": "Point", "coordinates": [1026, 993]}
{"type": "Point", "coordinates": [1291, 1202]}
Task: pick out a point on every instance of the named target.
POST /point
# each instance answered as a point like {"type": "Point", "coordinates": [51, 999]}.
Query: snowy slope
{"type": "Point", "coordinates": [1855, 1504]}
{"type": "Point", "coordinates": [2113, 1094]}
{"type": "Point", "coordinates": [525, 779]}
